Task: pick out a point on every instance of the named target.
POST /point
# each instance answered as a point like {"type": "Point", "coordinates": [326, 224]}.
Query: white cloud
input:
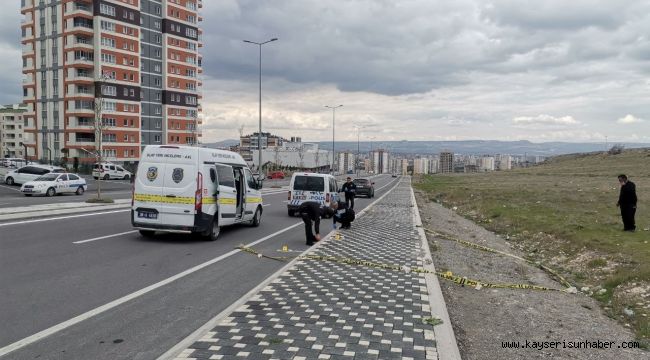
{"type": "Point", "coordinates": [545, 120]}
{"type": "Point", "coordinates": [629, 119]}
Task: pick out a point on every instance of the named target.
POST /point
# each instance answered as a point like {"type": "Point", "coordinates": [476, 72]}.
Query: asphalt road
{"type": "Point", "coordinates": [48, 279]}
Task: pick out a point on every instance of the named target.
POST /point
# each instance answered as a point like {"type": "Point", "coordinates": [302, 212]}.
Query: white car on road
{"type": "Point", "coordinates": [55, 183]}
{"type": "Point", "coordinates": [29, 173]}
{"type": "Point", "coordinates": [107, 171]}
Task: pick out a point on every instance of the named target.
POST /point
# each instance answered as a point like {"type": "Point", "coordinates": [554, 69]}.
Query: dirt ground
{"type": "Point", "coordinates": [483, 319]}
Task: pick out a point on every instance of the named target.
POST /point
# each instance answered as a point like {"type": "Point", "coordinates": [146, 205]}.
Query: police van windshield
{"type": "Point", "coordinates": [309, 183]}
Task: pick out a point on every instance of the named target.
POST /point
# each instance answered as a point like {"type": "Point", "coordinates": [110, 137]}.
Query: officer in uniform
{"type": "Point", "coordinates": [311, 212]}
{"type": "Point", "coordinates": [344, 215]}
{"type": "Point", "coordinates": [350, 189]}
{"type": "Point", "coordinates": [627, 202]}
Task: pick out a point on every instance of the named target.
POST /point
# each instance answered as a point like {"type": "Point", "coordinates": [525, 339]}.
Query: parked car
{"type": "Point", "coordinates": [365, 187]}
{"type": "Point", "coordinates": [275, 175]}
{"type": "Point", "coordinates": [14, 162]}
{"type": "Point", "coordinates": [394, 175]}
{"type": "Point", "coordinates": [29, 173]}
{"type": "Point", "coordinates": [107, 171]}
{"type": "Point", "coordinates": [55, 183]}
{"type": "Point", "coordinates": [321, 188]}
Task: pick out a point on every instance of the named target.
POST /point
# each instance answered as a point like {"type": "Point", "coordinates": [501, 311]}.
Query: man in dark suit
{"type": "Point", "coordinates": [627, 202]}
{"type": "Point", "coordinates": [311, 212]}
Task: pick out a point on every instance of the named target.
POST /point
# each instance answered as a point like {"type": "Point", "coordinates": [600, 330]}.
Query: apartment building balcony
{"type": "Point", "coordinates": [26, 5]}
{"type": "Point", "coordinates": [80, 43]}
{"type": "Point", "coordinates": [82, 61]}
{"type": "Point", "coordinates": [80, 25]}
{"type": "Point", "coordinates": [28, 80]}
{"type": "Point", "coordinates": [27, 20]}
{"type": "Point", "coordinates": [28, 49]}
{"type": "Point", "coordinates": [79, 8]}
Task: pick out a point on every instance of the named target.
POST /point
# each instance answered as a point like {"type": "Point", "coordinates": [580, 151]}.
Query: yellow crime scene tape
{"type": "Point", "coordinates": [470, 244]}
{"type": "Point", "coordinates": [448, 275]}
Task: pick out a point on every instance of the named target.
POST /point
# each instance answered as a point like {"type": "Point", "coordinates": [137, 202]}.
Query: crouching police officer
{"type": "Point", "coordinates": [311, 212]}
{"type": "Point", "coordinates": [344, 215]}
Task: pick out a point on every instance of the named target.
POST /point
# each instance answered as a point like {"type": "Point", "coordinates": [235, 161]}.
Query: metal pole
{"type": "Point", "coordinates": [259, 137]}
{"type": "Point", "coordinates": [333, 122]}
{"type": "Point", "coordinates": [333, 151]}
{"type": "Point", "coordinates": [356, 165]}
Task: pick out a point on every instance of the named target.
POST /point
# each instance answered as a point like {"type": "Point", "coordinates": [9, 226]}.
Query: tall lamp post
{"type": "Point", "coordinates": [259, 135]}
{"type": "Point", "coordinates": [333, 120]}
{"type": "Point", "coordinates": [356, 163]}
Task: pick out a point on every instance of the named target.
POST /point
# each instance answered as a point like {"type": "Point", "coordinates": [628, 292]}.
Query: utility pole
{"type": "Point", "coordinates": [333, 124]}
{"type": "Point", "coordinates": [259, 137]}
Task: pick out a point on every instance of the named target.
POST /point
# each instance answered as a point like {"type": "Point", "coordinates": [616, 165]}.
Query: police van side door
{"type": "Point", "coordinates": [253, 196]}
{"type": "Point", "coordinates": [226, 195]}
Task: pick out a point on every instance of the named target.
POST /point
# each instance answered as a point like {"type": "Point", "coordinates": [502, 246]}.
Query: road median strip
{"type": "Point", "coordinates": [22, 212]}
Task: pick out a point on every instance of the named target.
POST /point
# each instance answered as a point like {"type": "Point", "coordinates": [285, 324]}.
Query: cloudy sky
{"type": "Point", "coordinates": [418, 69]}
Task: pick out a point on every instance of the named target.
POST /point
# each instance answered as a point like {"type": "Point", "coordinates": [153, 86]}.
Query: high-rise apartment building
{"type": "Point", "coordinates": [140, 56]}
{"type": "Point", "coordinates": [446, 162]}
{"type": "Point", "coordinates": [380, 161]}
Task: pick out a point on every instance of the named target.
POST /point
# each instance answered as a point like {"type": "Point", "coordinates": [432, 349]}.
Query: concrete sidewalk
{"type": "Point", "coordinates": [314, 309]}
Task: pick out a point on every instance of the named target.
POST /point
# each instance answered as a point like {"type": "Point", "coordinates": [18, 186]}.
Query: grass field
{"type": "Point", "coordinates": [563, 213]}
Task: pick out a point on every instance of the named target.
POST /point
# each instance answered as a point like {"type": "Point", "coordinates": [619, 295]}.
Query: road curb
{"type": "Point", "coordinates": [446, 345]}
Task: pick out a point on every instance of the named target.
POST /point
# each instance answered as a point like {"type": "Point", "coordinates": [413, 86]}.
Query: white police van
{"type": "Point", "coordinates": [321, 188]}
{"type": "Point", "coordinates": [193, 190]}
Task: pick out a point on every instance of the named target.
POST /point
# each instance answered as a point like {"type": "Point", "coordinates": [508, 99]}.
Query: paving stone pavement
{"type": "Point", "coordinates": [326, 310]}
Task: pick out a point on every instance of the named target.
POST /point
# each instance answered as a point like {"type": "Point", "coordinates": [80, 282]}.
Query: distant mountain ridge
{"type": "Point", "coordinates": [479, 147]}
{"type": "Point", "coordinates": [476, 147]}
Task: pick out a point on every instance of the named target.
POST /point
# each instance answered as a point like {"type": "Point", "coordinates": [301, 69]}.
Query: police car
{"type": "Point", "coordinates": [55, 183]}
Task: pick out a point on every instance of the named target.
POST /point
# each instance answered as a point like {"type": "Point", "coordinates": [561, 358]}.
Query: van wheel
{"type": "Point", "coordinates": [9, 181]}
{"type": "Point", "coordinates": [257, 218]}
{"type": "Point", "coordinates": [50, 192]}
{"type": "Point", "coordinates": [126, 177]}
{"type": "Point", "coordinates": [291, 213]}
{"type": "Point", "coordinates": [28, 195]}
{"type": "Point", "coordinates": [147, 233]}
{"type": "Point", "coordinates": [213, 231]}
{"type": "Point", "coordinates": [80, 190]}
{"type": "Point", "coordinates": [106, 177]}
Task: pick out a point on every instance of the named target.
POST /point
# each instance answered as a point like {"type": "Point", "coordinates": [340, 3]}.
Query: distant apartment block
{"type": "Point", "coordinates": [486, 163]}
{"type": "Point", "coordinates": [380, 161]}
{"type": "Point", "coordinates": [503, 162]}
{"type": "Point", "coordinates": [405, 167]}
{"type": "Point", "coordinates": [11, 130]}
{"type": "Point", "coordinates": [249, 144]}
{"type": "Point", "coordinates": [446, 160]}
{"type": "Point", "coordinates": [141, 56]}
{"type": "Point", "coordinates": [346, 161]}
{"type": "Point", "coordinates": [421, 166]}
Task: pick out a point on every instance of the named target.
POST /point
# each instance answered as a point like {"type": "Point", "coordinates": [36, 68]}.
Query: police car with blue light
{"type": "Point", "coordinates": [55, 183]}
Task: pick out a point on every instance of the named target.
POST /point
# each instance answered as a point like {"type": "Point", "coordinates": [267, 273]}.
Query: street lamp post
{"type": "Point", "coordinates": [356, 164]}
{"type": "Point", "coordinates": [259, 137]}
{"type": "Point", "coordinates": [333, 121]}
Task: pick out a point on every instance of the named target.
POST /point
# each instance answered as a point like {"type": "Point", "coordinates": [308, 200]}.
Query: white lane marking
{"type": "Point", "coordinates": [96, 311]}
{"type": "Point", "coordinates": [10, 188]}
{"type": "Point", "coordinates": [63, 217]}
{"type": "Point", "coordinates": [265, 205]}
{"type": "Point", "coordinates": [104, 237]}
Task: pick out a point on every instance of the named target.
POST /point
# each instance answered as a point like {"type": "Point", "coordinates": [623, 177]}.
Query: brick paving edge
{"type": "Point", "coordinates": [198, 334]}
